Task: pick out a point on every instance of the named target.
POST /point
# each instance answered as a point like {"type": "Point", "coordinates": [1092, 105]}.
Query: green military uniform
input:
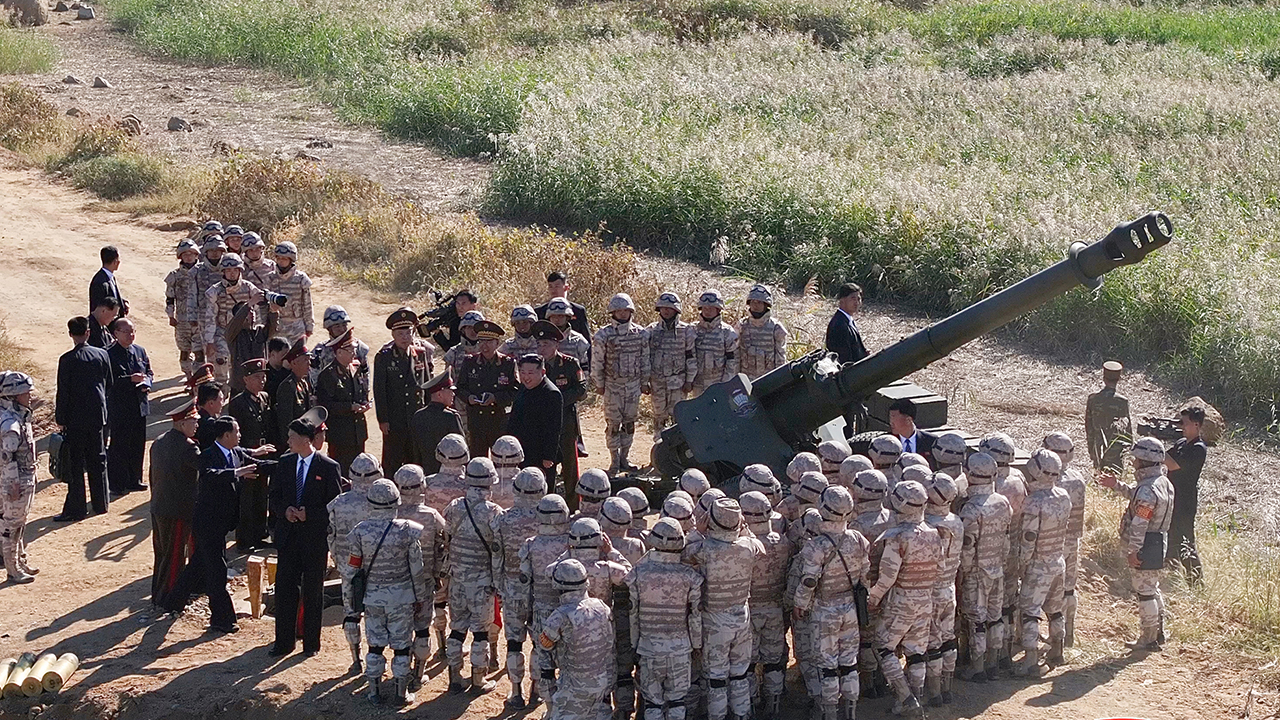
{"type": "Point", "coordinates": [431, 424]}
{"type": "Point", "coordinates": [294, 398]}
{"type": "Point", "coordinates": [565, 373]}
{"type": "Point", "coordinates": [1108, 427]}
{"type": "Point", "coordinates": [253, 412]}
{"type": "Point", "coordinates": [339, 391]}
{"type": "Point", "coordinates": [487, 379]}
{"type": "Point", "coordinates": [398, 376]}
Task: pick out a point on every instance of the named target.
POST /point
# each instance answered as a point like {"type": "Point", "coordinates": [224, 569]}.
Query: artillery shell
{"type": "Point", "coordinates": [61, 672]}
{"type": "Point", "coordinates": [6, 667]}
{"type": "Point", "coordinates": [32, 685]}
{"type": "Point", "coordinates": [13, 686]}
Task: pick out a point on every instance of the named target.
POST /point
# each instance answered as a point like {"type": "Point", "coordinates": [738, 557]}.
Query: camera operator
{"type": "Point", "coordinates": [448, 314]}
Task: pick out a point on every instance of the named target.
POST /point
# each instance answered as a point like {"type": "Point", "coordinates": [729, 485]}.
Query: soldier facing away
{"type": "Point", "coordinates": [411, 482]}
{"type": "Point", "coordinates": [347, 511]}
{"type": "Point", "coordinates": [1045, 517]}
{"type": "Point", "coordinates": [579, 632]}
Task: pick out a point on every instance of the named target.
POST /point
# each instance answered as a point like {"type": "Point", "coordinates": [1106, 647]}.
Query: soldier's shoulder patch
{"type": "Point", "coordinates": [1144, 511]}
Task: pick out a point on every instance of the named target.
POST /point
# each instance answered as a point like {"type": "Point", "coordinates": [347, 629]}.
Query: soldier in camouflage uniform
{"type": "Point", "coordinates": [871, 518]}
{"type": "Point", "coordinates": [1071, 481]}
{"type": "Point", "coordinates": [296, 320]}
{"type": "Point", "coordinates": [233, 236]}
{"type": "Point", "coordinates": [593, 488]}
{"type": "Point", "coordinates": [1010, 484]}
{"type": "Point", "coordinates": [759, 478]}
{"type": "Point", "coordinates": [616, 521]}
{"type": "Point", "coordinates": [559, 313]}
{"type": "Point", "coordinates": [941, 668]}
{"type": "Point", "coordinates": [805, 495]}
{"type": "Point", "coordinates": [522, 342]}
{"type": "Point", "coordinates": [715, 344]}
{"type": "Point", "coordinates": [768, 586]}
{"type": "Point", "coordinates": [694, 482]}
{"type": "Point", "coordinates": [203, 276]}
{"type": "Point", "coordinates": [849, 469]}
{"type": "Point", "coordinates": [726, 559]}
{"type": "Point", "coordinates": [1144, 530]}
{"type": "Point", "coordinates": [537, 555]}
{"type": "Point", "coordinates": [802, 629]}
{"type": "Point", "coordinates": [1108, 428]}
{"type": "Point", "coordinates": [17, 472]}
{"type": "Point", "coordinates": [986, 516]}
{"type": "Point", "coordinates": [578, 633]}
{"type": "Point", "coordinates": [910, 560]}
{"type": "Point", "coordinates": [831, 454]}
{"type": "Point", "coordinates": [515, 527]}
{"type": "Point", "coordinates": [606, 567]}
{"type": "Point", "coordinates": [1045, 516]}
{"type": "Point", "coordinates": [665, 621]}
{"type": "Point", "coordinates": [346, 512]}
{"type": "Point", "coordinates": [443, 488]}
{"type": "Point", "coordinates": [219, 305]}
{"type": "Point", "coordinates": [453, 357]}
{"type": "Point", "coordinates": [761, 338]}
{"type": "Point", "coordinates": [619, 368]}
{"type": "Point", "coordinates": [475, 565]}
{"type": "Point", "coordinates": [177, 292]}
{"type": "Point", "coordinates": [679, 507]}
{"type": "Point", "coordinates": [833, 564]}
{"type": "Point", "coordinates": [411, 481]}
{"type": "Point", "coordinates": [397, 582]}
{"type": "Point", "coordinates": [507, 455]}
{"type": "Point", "coordinates": [790, 506]}
{"type": "Point", "coordinates": [672, 363]}
{"type": "Point", "coordinates": [884, 452]}
{"type": "Point", "coordinates": [949, 451]}
{"type": "Point", "coordinates": [257, 269]}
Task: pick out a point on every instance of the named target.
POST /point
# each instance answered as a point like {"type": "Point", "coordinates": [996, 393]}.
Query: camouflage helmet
{"type": "Point", "coordinates": [568, 576]}
{"type": "Point", "coordinates": [287, 249]}
{"type": "Point", "coordinates": [364, 470]}
{"type": "Point", "coordinates": [409, 478]}
{"type": "Point", "coordinates": [681, 494]}
{"type": "Point", "coordinates": [835, 504]}
{"type": "Point", "coordinates": [615, 512]}
{"type": "Point", "coordinates": [667, 536]}
{"type": "Point", "coordinates": [251, 240]}
{"type": "Point", "coordinates": [711, 298]}
{"type": "Point", "coordinates": [1060, 443]}
{"type": "Point", "coordinates": [530, 482]}
{"type": "Point", "coordinates": [213, 242]}
{"type": "Point", "coordinates": [481, 473]}
{"type": "Point", "coordinates": [950, 448]}
{"type": "Point", "coordinates": [506, 451]}
{"type": "Point", "coordinates": [233, 231]}
{"type": "Point", "coordinates": [906, 460]}
{"type": "Point", "coordinates": [758, 477]}
{"type": "Point", "coordinates": [584, 533]}
{"type": "Point", "coordinates": [725, 515]}
{"type": "Point", "coordinates": [999, 446]}
{"type": "Point", "coordinates": [802, 463]}
{"type": "Point", "coordinates": [1044, 469]}
{"type": "Point", "coordinates": [335, 315]}
{"type": "Point", "coordinates": [14, 383]}
{"type": "Point", "coordinates": [555, 306]}
{"type": "Point", "coordinates": [885, 450]}
{"type": "Point", "coordinates": [869, 485]}
{"type": "Point", "coordinates": [212, 226]}
{"type": "Point", "coordinates": [231, 261]}
{"type": "Point", "coordinates": [851, 466]}
{"type": "Point", "coordinates": [553, 511]}
{"type": "Point", "coordinates": [811, 521]}
{"type": "Point", "coordinates": [980, 469]}
{"type": "Point", "coordinates": [678, 507]}
{"type": "Point", "coordinates": [756, 508]}
{"type": "Point", "coordinates": [668, 300]}
{"type": "Point", "coordinates": [831, 453]}
{"type": "Point", "coordinates": [186, 246]}
{"type": "Point", "coordinates": [1149, 449]}
{"type": "Point", "coordinates": [916, 473]}
{"type": "Point", "coordinates": [942, 490]}
{"type": "Point", "coordinates": [621, 301]}
{"type": "Point", "coordinates": [694, 482]}
{"type": "Point", "coordinates": [761, 293]}
{"type": "Point", "coordinates": [523, 312]}
{"type": "Point", "coordinates": [470, 318]}
{"type": "Point", "coordinates": [384, 498]}
{"type": "Point", "coordinates": [810, 487]}
{"type": "Point", "coordinates": [452, 450]}
{"type": "Point", "coordinates": [594, 485]}
{"type": "Point", "coordinates": [707, 500]}
{"type": "Point", "coordinates": [638, 501]}
{"type": "Point", "coordinates": [908, 500]}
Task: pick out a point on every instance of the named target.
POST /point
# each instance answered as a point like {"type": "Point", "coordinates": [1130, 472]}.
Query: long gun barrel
{"type": "Point", "coordinates": [741, 422]}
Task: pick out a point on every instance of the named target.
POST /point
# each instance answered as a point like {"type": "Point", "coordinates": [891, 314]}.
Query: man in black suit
{"type": "Point", "coordinates": [127, 408]}
{"type": "Point", "coordinates": [463, 302]}
{"type": "Point", "coordinates": [84, 377]}
{"type": "Point", "coordinates": [209, 408]}
{"type": "Point", "coordinates": [844, 339]}
{"type": "Point", "coordinates": [217, 509]}
{"type": "Point", "coordinates": [104, 284]}
{"type": "Point", "coordinates": [902, 423]}
{"type": "Point", "coordinates": [100, 320]}
{"type": "Point", "coordinates": [558, 287]}
{"type": "Point", "coordinates": [303, 484]}
{"type": "Point", "coordinates": [537, 415]}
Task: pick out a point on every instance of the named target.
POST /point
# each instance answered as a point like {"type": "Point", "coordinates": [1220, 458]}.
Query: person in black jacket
{"type": "Point", "coordinates": [252, 409]}
{"type": "Point", "coordinates": [558, 287]}
{"type": "Point", "coordinates": [84, 378]}
{"type": "Point", "coordinates": [301, 487]}
{"type": "Point", "coordinates": [902, 423]}
{"type": "Point", "coordinates": [104, 284]}
{"type": "Point", "coordinates": [463, 302]}
{"type": "Point", "coordinates": [128, 406]}
{"type": "Point", "coordinates": [845, 340]}
{"type": "Point", "coordinates": [566, 374]}
{"type": "Point", "coordinates": [537, 415]}
{"type": "Point", "coordinates": [1185, 461]}
{"type": "Point", "coordinates": [209, 407]}
{"type": "Point", "coordinates": [338, 390]}
{"type": "Point", "coordinates": [100, 320]}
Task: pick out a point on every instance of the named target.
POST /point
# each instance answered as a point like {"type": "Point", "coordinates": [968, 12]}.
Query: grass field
{"type": "Point", "coordinates": [935, 153]}
{"type": "Point", "coordinates": [24, 52]}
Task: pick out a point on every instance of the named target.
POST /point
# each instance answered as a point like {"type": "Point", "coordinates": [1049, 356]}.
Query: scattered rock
{"type": "Point", "coordinates": [318, 143]}
{"type": "Point", "coordinates": [201, 123]}
{"type": "Point", "coordinates": [177, 123]}
{"type": "Point", "coordinates": [77, 112]}
{"type": "Point", "coordinates": [131, 124]}
{"type": "Point", "coordinates": [101, 82]}
{"type": "Point", "coordinates": [178, 226]}
{"type": "Point", "coordinates": [61, 7]}
{"type": "Point", "coordinates": [76, 6]}
{"type": "Point", "coordinates": [85, 13]}
{"type": "Point", "coordinates": [222, 147]}
{"type": "Point", "coordinates": [165, 86]}
{"type": "Point", "coordinates": [72, 80]}
{"type": "Point", "coordinates": [301, 155]}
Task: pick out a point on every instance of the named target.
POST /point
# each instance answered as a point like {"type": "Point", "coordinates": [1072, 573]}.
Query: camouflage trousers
{"type": "Point", "coordinates": [905, 617]}
{"type": "Point", "coordinates": [351, 618]}
{"type": "Point", "coordinates": [726, 661]}
{"type": "Point", "coordinates": [542, 663]}
{"type": "Point", "coordinates": [621, 408]}
{"type": "Point", "coordinates": [388, 626]}
{"type": "Point", "coordinates": [835, 627]}
{"type": "Point", "coordinates": [1146, 585]}
{"type": "Point", "coordinates": [16, 497]}
{"type": "Point", "coordinates": [221, 359]}
{"type": "Point", "coordinates": [423, 619]}
{"type": "Point", "coordinates": [470, 608]}
{"type": "Point", "coordinates": [576, 701]}
{"type": "Point", "coordinates": [769, 644]}
{"type": "Point", "coordinates": [1072, 557]}
{"type": "Point", "coordinates": [514, 611]}
{"type": "Point", "coordinates": [1012, 582]}
{"type": "Point", "coordinates": [664, 403]}
{"type": "Point", "coordinates": [1039, 598]}
{"type": "Point", "coordinates": [802, 636]}
{"type": "Point", "coordinates": [183, 337]}
{"type": "Point", "coordinates": [624, 653]}
{"type": "Point", "coordinates": [942, 630]}
{"type": "Point", "coordinates": [980, 602]}
{"type": "Point", "coordinates": [665, 679]}
{"type": "Point", "coordinates": [291, 330]}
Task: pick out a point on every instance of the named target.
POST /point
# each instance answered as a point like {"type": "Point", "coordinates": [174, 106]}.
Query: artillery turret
{"type": "Point", "coordinates": [740, 422]}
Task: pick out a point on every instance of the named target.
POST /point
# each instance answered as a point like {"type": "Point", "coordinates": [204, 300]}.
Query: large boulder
{"type": "Point", "coordinates": [27, 12]}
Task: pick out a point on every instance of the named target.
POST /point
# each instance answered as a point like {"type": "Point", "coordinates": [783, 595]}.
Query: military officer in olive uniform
{"type": "Point", "coordinates": [338, 390]}
{"type": "Point", "coordinates": [400, 369]}
{"type": "Point", "coordinates": [565, 372]}
{"type": "Point", "coordinates": [252, 409]}
{"type": "Point", "coordinates": [1107, 425]}
{"type": "Point", "coordinates": [295, 395]}
{"type": "Point", "coordinates": [488, 386]}
{"type": "Point", "coordinates": [430, 424]}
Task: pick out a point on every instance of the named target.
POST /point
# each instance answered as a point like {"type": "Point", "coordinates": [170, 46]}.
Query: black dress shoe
{"type": "Point", "coordinates": [311, 653]}
{"type": "Point", "coordinates": [229, 628]}
{"type": "Point", "coordinates": [279, 651]}
{"type": "Point", "coordinates": [63, 517]}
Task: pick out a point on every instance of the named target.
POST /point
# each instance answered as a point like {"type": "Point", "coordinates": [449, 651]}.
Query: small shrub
{"type": "Point", "coordinates": [94, 140]}
{"type": "Point", "coordinates": [24, 52]}
{"type": "Point", "coordinates": [119, 176]}
{"type": "Point", "coordinates": [27, 120]}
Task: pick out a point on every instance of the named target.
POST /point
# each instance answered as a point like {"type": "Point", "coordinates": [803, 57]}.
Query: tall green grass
{"type": "Point", "coordinates": [23, 52]}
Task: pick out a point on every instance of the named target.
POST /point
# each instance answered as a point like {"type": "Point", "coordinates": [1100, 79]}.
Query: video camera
{"type": "Point", "coordinates": [441, 316]}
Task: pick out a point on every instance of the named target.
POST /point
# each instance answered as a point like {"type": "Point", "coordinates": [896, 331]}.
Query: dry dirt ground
{"type": "Point", "coordinates": [92, 595]}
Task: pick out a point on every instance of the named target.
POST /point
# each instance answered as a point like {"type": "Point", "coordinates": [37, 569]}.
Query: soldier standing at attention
{"type": "Point", "coordinates": [256, 268]}
{"type": "Point", "coordinates": [173, 471]}
{"type": "Point", "coordinates": [565, 372]}
{"type": "Point", "coordinates": [203, 276]}
{"type": "Point", "coordinates": [716, 346]}
{"type": "Point", "coordinates": [17, 472]}
{"type": "Point", "coordinates": [295, 395]}
{"type": "Point", "coordinates": [768, 586]}
{"type": "Point", "coordinates": [1045, 517]}
{"type": "Point", "coordinates": [346, 512]}
{"type": "Point", "coordinates": [435, 420]}
{"type": "Point", "coordinates": [475, 566]}
{"type": "Point", "coordinates": [296, 321]}
{"type": "Point", "coordinates": [943, 649]}
{"type": "Point", "coordinates": [252, 409]}
{"type": "Point", "coordinates": [488, 383]}
{"type": "Point", "coordinates": [619, 367]}
{"type": "Point", "coordinates": [574, 344]}
{"type": "Point", "coordinates": [219, 306]}
{"type": "Point", "coordinates": [411, 481]}
{"type": "Point", "coordinates": [986, 517]}
{"type": "Point", "coordinates": [514, 527]}
{"type": "Point", "coordinates": [177, 291]}
{"type": "Point", "coordinates": [522, 341]}
{"type": "Point", "coordinates": [762, 339]}
{"type": "Point", "coordinates": [339, 393]}
{"type": "Point", "coordinates": [1071, 481]}
{"type": "Point", "coordinates": [672, 363]}
{"type": "Point", "coordinates": [1107, 425]}
{"type": "Point", "coordinates": [400, 369]}
{"type": "Point", "coordinates": [537, 556]}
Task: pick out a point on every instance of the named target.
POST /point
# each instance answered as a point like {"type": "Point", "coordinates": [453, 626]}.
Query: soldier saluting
{"type": "Point", "coordinates": [400, 369]}
{"type": "Point", "coordinates": [487, 382]}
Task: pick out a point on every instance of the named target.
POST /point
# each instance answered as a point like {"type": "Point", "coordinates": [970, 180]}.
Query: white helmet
{"type": "Point", "coordinates": [711, 298]}
{"type": "Point", "coordinates": [523, 312]}
{"type": "Point", "coordinates": [908, 500]}
{"type": "Point", "coordinates": [885, 450]}
{"type": "Point", "coordinates": [568, 576]}
{"type": "Point", "coordinates": [980, 469]}
{"type": "Point", "coordinates": [802, 463]}
{"type": "Point", "coordinates": [836, 504]}
{"type": "Point", "coordinates": [851, 466]}
{"type": "Point", "coordinates": [999, 446]}
{"type": "Point", "coordinates": [555, 306]}
{"type": "Point", "coordinates": [335, 315]}
{"type": "Point", "coordinates": [761, 293]}
{"type": "Point", "coordinates": [14, 383]}
{"type": "Point", "coordinates": [1149, 449]}
{"type": "Point", "coordinates": [831, 454]}
{"type": "Point", "coordinates": [383, 498]}
{"type": "Point", "coordinates": [756, 508]}
{"type": "Point", "coordinates": [725, 515]}
{"type": "Point", "coordinates": [506, 451]}
{"type": "Point", "coordinates": [594, 485]}
{"type": "Point", "coordinates": [869, 485]}
{"type": "Point", "coordinates": [470, 319]}
{"type": "Point", "coordinates": [584, 533]}
{"type": "Point", "coordinates": [621, 301]}
{"type": "Point", "coordinates": [530, 482]}
{"type": "Point", "coordinates": [667, 536]}
{"type": "Point", "coordinates": [408, 479]}
{"type": "Point", "coordinates": [452, 450]}
{"type": "Point", "coordinates": [364, 470]}
{"type": "Point", "coordinates": [481, 473]}
{"type": "Point", "coordinates": [1044, 469]}
{"type": "Point", "coordinates": [553, 513]}
{"type": "Point", "coordinates": [942, 490]}
{"type": "Point", "coordinates": [615, 512]}
{"type": "Point", "coordinates": [638, 501]}
{"type": "Point", "coordinates": [949, 448]}
{"type": "Point", "coordinates": [668, 300]}
{"type": "Point", "coordinates": [810, 487]}
{"type": "Point", "coordinates": [694, 482]}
